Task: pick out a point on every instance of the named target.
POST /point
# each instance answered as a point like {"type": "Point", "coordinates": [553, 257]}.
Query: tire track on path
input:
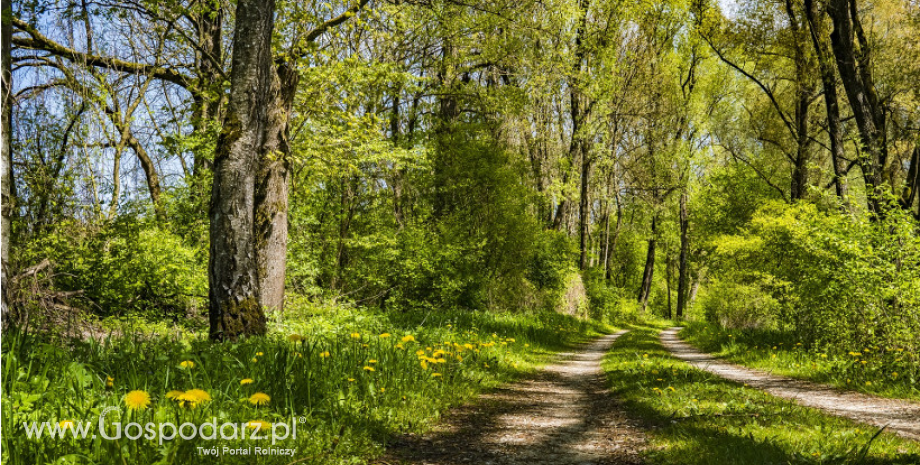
{"type": "Point", "coordinates": [563, 415]}
{"type": "Point", "coordinates": [898, 416]}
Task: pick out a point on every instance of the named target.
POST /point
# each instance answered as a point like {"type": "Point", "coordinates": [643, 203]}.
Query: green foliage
{"type": "Point", "coordinates": [123, 266]}
{"type": "Point", "coordinates": [735, 305]}
{"type": "Point", "coordinates": [839, 281]}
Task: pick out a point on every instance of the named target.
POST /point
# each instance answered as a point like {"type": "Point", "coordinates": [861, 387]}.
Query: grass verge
{"type": "Point", "coordinates": [349, 379]}
{"type": "Point", "coordinates": [886, 372]}
{"type": "Point", "coordinates": [696, 418]}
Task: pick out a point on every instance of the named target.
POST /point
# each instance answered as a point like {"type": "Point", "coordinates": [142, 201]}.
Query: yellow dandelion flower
{"type": "Point", "coordinates": [65, 424]}
{"type": "Point", "coordinates": [510, 339]}
{"type": "Point", "coordinates": [868, 383]}
{"type": "Point", "coordinates": [295, 338]}
{"type": "Point", "coordinates": [383, 389]}
{"type": "Point", "coordinates": [187, 364]}
{"type": "Point", "coordinates": [371, 361]}
{"type": "Point", "coordinates": [440, 360]}
{"type": "Point", "coordinates": [200, 395]}
{"type": "Point", "coordinates": [259, 354]}
{"type": "Point", "coordinates": [424, 364]}
{"type": "Point", "coordinates": [468, 346]}
{"type": "Point", "coordinates": [109, 381]}
{"type": "Point", "coordinates": [384, 335]}
{"type": "Point", "coordinates": [246, 381]}
{"type": "Point", "coordinates": [400, 346]}
{"type": "Point", "coordinates": [261, 424]}
{"type": "Point", "coordinates": [254, 360]}
{"type": "Point", "coordinates": [435, 375]}
{"type": "Point", "coordinates": [356, 335]}
{"type": "Point", "coordinates": [137, 400]}
{"type": "Point", "coordinates": [325, 354]}
{"type": "Point", "coordinates": [894, 375]}
{"type": "Point", "coordinates": [408, 338]}
{"type": "Point", "coordinates": [367, 368]}
{"type": "Point", "coordinates": [174, 394]}
{"type": "Point", "coordinates": [654, 372]}
{"type": "Point", "coordinates": [259, 398]}
{"type": "Point", "coordinates": [351, 380]}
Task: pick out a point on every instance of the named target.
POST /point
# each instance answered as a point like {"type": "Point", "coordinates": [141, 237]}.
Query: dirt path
{"type": "Point", "coordinates": [900, 417]}
{"type": "Point", "coordinates": [563, 415]}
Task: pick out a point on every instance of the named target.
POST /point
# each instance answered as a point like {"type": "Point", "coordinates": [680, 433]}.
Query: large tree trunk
{"type": "Point", "coordinates": [234, 307]}
{"type": "Point", "coordinates": [271, 191]}
{"type": "Point", "coordinates": [647, 275]}
{"type": "Point", "coordinates": [683, 271]}
{"type": "Point", "coordinates": [853, 65]}
{"type": "Point", "coordinates": [6, 154]}
{"type": "Point", "coordinates": [831, 104]}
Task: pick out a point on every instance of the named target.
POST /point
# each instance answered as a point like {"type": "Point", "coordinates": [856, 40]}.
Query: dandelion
{"type": "Point", "coordinates": [367, 368]}
{"type": "Point", "coordinates": [259, 354]}
{"type": "Point", "coordinates": [383, 389]}
{"type": "Point", "coordinates": [191, 398]}
{"type": "Point", "coordinates": [384, 335]}
{"type": "Point", "coordinates": [64, 424]}
{"type": "Point", "coordinates": [187, 364]}
{"type": "Point", "coordinates": [356, 335]}
{"type": "Point", "coordinates": [295, 338]}
{"type": "Point", "coordinates": [863, 362]}
{"type": "Point", "coordinates": [654, 372]}
{"type": "Point", "coordinates": [245, 381]}
{"type": "Point", "coordinates": [351, 380]}
{"type": "Point", "coordinates": [400, 346]}
{"type": "Point", "coordinates": [894, 375]}
{"type": "Point", "coordinates": [325, 354]}
{"type": "Point", "coordinates": [259, 398]}
{"type": "Point", "coordinates": [823, 355]}
{"type": "Point", "coordinates": [468, 346]}
{"type": "Point", "coordinates": [526, 345]}
{"type": "Point", "coordinates": [424, 364]}
{"type": "Point", "coordinates": [137, 400]}
{"type": "Point", "coordinates": [254, 360]}
{"type": "Point", "coordinates": [672, 389]}
{"type": "Point", "coordinates": [109, 381]}
{"type": "Point", "coordinates": [868, 383]}
{"type": "Point", "coordinates": [174, 394]}
{"type": "Point", "coordinates": [372, 361]}
{"type": "Point", "coordinates": [435, 375]}
{"type": "Point", "coordinates": [510, 339]}
{"type": "Point", "coordinates": [260, 424]}
{"type": "Point", "coordinates": [408, 338]}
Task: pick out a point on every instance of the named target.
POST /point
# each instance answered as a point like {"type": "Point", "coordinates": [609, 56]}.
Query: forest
{"type": "Point", "coordinates": [360, 218]}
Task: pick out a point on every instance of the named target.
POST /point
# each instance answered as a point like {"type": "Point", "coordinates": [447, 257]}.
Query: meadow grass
{"type": "Point", "coordinates": [695, 418]}
{"type": "Point", "coordinates": [882, 371]}
{"type": "Point", "coordinates": [350, 378]}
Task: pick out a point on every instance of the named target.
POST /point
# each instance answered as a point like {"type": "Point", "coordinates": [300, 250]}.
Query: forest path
{"type": "Point", "coordinates": [564, 414]}
{"type": "Point", "coordinates": [900, 417]}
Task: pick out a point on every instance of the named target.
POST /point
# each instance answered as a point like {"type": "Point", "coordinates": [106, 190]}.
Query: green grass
{"type": "Point", "coordinates": [354, 380]}
{"type": "Point", "coordinates": [696, 418]}
{"type": "Point", "coordinates": [887, 372]}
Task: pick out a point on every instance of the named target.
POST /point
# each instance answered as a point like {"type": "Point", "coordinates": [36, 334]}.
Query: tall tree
{"type": "Point", "coordinates": [6, 154]}
{"type": "Point", "coordinates": [232, 268]}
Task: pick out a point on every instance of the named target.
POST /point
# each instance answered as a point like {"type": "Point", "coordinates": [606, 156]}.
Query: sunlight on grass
{"type": "Point", "coordinates": [699, 419]}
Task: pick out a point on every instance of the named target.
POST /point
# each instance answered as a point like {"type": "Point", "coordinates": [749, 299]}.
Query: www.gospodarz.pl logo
{"type": "Point", "coordinates": [165, 431]}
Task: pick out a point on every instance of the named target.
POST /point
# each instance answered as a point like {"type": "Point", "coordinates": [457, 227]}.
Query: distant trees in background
{"type": "Point", "coordinates": [476, 155]}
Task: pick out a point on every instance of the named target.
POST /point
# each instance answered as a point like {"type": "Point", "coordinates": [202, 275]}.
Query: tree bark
{"type": "Point", "coordinates": [853, 65]}
{"type": "Point", "coordinates": [6, 154]}
{"type": "Point", "coordinates": [271, 191]}
{"type": "Point", "coordinates": [584, 211]}
{"type": "Point", "coordinates": [683, 272]}
{"type": "Point", "coordinates": [234, 305]}
{"type": "Point", "coordinates": [647, 275]}
{"type": "Point", "coordinates": [831, 103]}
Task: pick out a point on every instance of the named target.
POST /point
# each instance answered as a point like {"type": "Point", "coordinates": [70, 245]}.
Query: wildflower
{"type": "Point", "coordinates": [109, 381]}
{"type": "Point", "coordinates": [400, 346]}
{"type": "Point", "coordinates": [468, 346]}
{"type": "Point", "coordinates": [259, 398]}
{"type": "Point", "coordinates": [137, 400]}
{"type": "Point", "coordinates": [199, 395]}
{"type": "Point", "coordinates": [259, 354]}
{"type": "Point", "coordinates": [384, 335]}
{"type": "Point", "coordinates": [64, 424]}
{"type": "Point", "coordinates": [868, 383]}
{"type": "Point", "coordinates": [672, 388]}
{"type": "Point", "coordinates": [174, 395]}
{"type": "Point", "coordinates": [424, 364]}
{"type": "Point", "coordinates": [863, 362]}
{"type": "Point", "coordinates": [383, 389]}
{"type": "Point", "coordinates": [295, 338]}
{"type": "Point", "coordinates": [187, 364]}
{"type": "Point", "coordinates": [356, 335]}
{"type": "Point", "coordinates": [420, 352]}
{"type": "Point", "coordinates": [367, 368]}
{"type": "Point", "coordinates": [191, 398]}
{"type": "Point", "coordinates": [855, 354]}
{"type": "Point", "coordinates": [261, 424]}
{"type": "Point", "coordinates": [325, 354]}
{"type": "Point", "coordinates": [894, 375]}
{"type": "Point", "coordinates": [371, 361]}
{"type": "Point", "coordinates": [526, 345]}
{"type": "Point", "coordinates": [654, 372]}
{"type": "Point", "coordinates": [351, 380]}
{"type": "Point", "coordinates": [435, 375]}
{"type": "Point", "coordinates": [823, 355]}
{"type": "Point", "coordinates": [510, 339]}
{"type": "Point", "coordinates": [408, 338]}
{"type": "Point", "coordinates": [254, 360]}
{"type": "Point", "coordinates": [246, 381]}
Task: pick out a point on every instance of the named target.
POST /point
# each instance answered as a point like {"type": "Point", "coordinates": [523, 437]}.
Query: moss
{"type": "Point", "coordinates": [245, 318]}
